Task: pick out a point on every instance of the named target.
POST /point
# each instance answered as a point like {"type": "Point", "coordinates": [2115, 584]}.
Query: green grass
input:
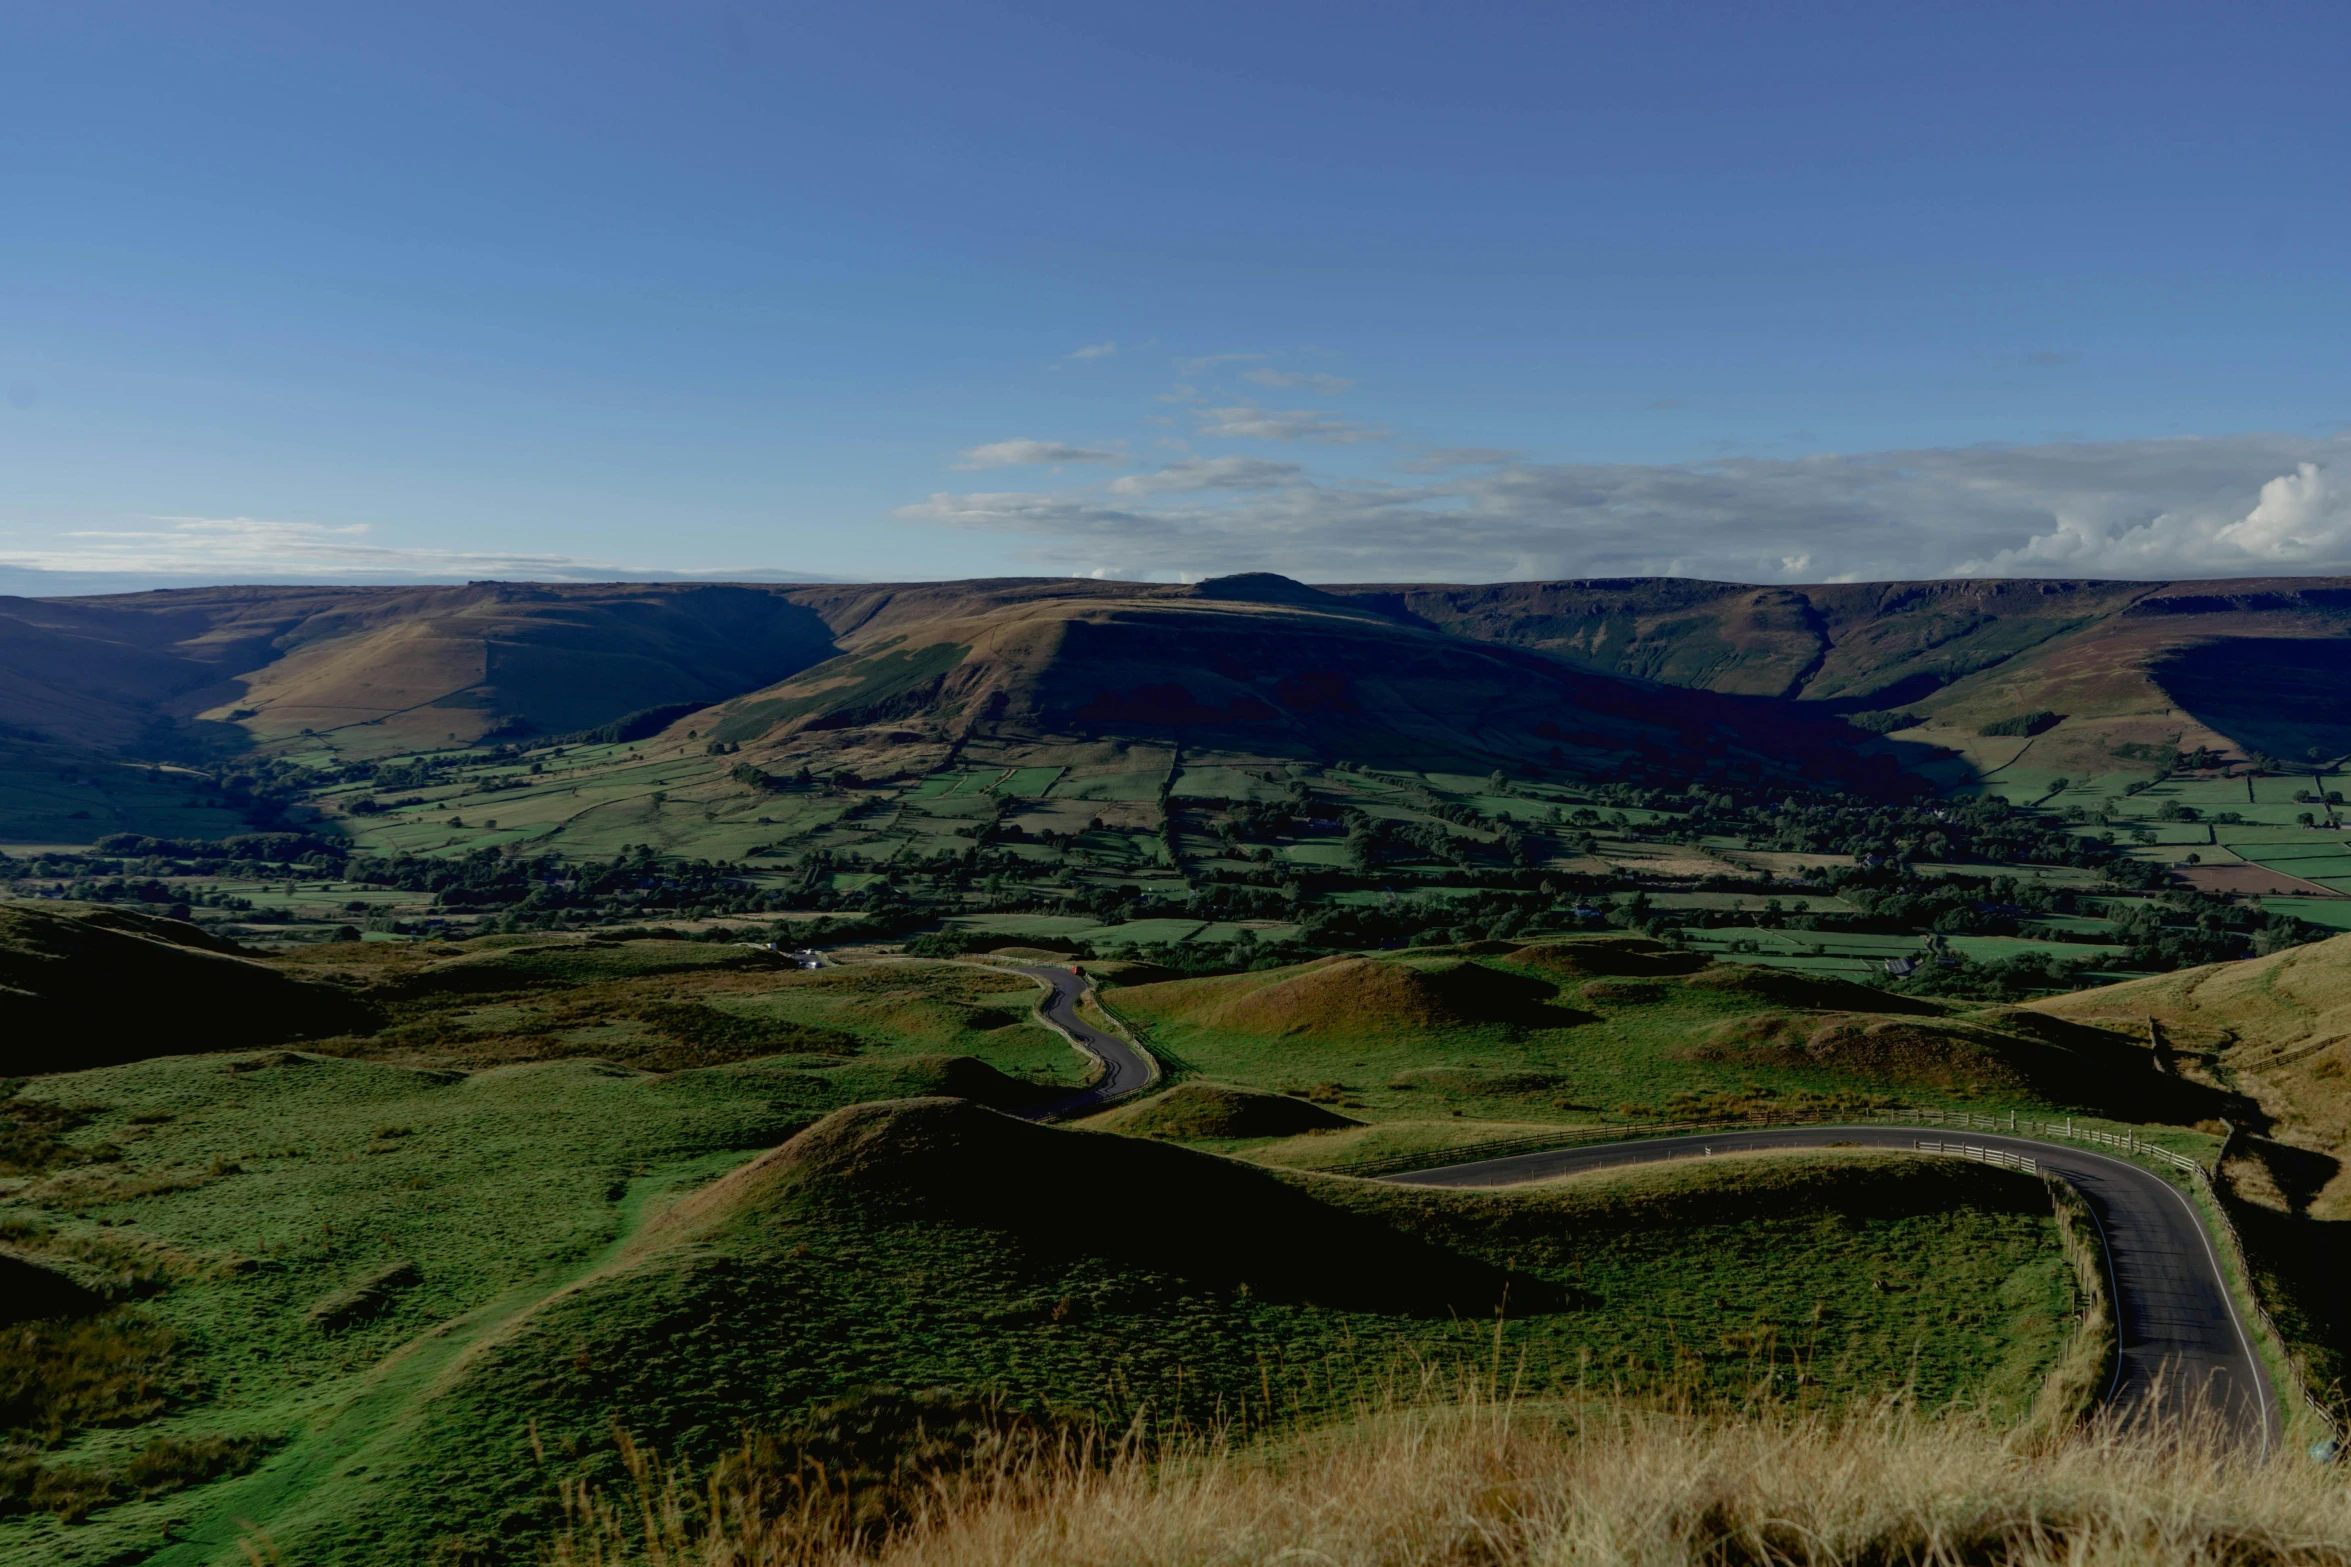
{"type": "Point", "coordinates": [2333, 913]}
{"type": "Point", "coordinates": [1231, 783]}
{"type": "Point", "coordinates": [1126, 786]}
{"type": "Point", "coordinates": [57, 795]}
{"type": "Point", "coordinates": [1995, 949]}
{"type": "Point", "coordinates": [941, 1264]}
{"type": "Point", "coordinates": [1030, 783]}
{"type": "Point", "coordinates": [379, 1264]}
{"type": "Point", "coordinates": [1526, 1046]}
{"type": "Point", "coordinates": [1137, 932]}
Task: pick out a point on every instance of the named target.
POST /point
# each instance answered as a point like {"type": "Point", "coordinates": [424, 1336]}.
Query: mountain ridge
{"type": "Point", "coordinates": [2107, 668]}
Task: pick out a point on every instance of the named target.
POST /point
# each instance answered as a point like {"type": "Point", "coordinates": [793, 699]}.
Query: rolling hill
{"type": "Point", "coordinates": [2128, 671]}
{"type": "Point", "coordinates": [1952, 680]}
{"type": "Point", "coordinates": [1260, 666]}
{"type": "Point", "coordinates": [386, 669]}
{"type": "Point", "coordinates": [84, 986]}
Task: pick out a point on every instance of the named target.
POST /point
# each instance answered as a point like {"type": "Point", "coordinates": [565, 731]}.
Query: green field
{"type": "Point", "coordinates": [427, 1298]}
{"type": "Point", "coordinates": [1412, 1040]}
{"type": "Point", "coordinates": [57, 795]}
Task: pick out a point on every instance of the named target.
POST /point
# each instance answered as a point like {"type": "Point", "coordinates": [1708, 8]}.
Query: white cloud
{"type": "Point", "coordinates": [1298, 424]}
{"type": "Point", "coordinates": [1093, 351]}
{"type": "Point", "coordinates": [2224, 506]}
{"type": "Point", "coordinates": [1210, 473]}
{"type": "Point", "coordinates": [1309, 380]}
{"type": "Point", "coordinates": [2299, 521]}
{"type": "Point", "coordinates": [1022, 452]}
{"type": "Point", "coordinates": [256, 549]}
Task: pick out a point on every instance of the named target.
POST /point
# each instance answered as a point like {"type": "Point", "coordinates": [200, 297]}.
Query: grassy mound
{"type": "Point", "coordinates": [1786, 988]}
{"type": "Point", "coordinates": [482, 1274]}
{"type": "Point", "coordinates": [1621, 992]}
{"type": "Point", "coordinates": [82, 988]}
{"type": "Point", "coordinates": [1956, 1055]}
{"type": "Point", "coordinates": [933, 1076]}
{"type": "Point", "coordinates": [1610, 957]}
{"type": "Point", "coordinates": [1212, 1110]}
{"type": "Point", "coordinates": [1236, 1226]}
{"type": "Point", "coordinates": [1354, 996]}
{"type": "Point", "coordinates": [1480, 1082]}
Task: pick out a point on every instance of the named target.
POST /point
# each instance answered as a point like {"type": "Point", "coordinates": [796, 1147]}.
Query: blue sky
{"type": "Point", "coordinates": [1354, 292]}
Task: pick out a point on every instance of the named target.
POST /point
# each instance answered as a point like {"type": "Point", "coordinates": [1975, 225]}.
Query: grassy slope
{"type": "Point", "coordinates": [57, 794]}
{"type": "Point", "coordinates": [520, 1180]}
{"type": "Point", "coordinates": [906, 1246]}
{"type": "Point", "coordinates": [2276, 1028]}
{"type": "Point", "coordinates": [88, 985]}
{"type": "Point", "coordinates": [1409, 1040]}
{"type": "Point", "coordinates": [979, 1263]}
{"type": "Point", "coordinates": [667, 1005]}
{"type": "Point", "coordinates": [2158, 666]}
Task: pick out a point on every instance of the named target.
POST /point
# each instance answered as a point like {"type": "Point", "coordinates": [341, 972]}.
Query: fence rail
{"type": "Point", "coordinates": [1998, 1156]}
{"type": "Point", "coordinates": [2128, 1142]}
{"type": "Point", "coordinates": [1580, 1136]}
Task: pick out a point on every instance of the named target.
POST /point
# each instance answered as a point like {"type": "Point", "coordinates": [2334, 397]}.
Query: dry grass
{"type": "Point", "coordinates": [1488, 1483]}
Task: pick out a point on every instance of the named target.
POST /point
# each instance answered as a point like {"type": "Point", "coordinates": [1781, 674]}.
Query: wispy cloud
{"type": "Point", "coordinates": [1298, 424]}
{"type": "Point", "coordinates": [1093, 351]}
{"type": "Point", "coordinates": [257, 549]}
{"type": "Point", "coordinates": [1307, 380]}
{"type": "Point", "coordinates": [2228, 506]}
{"type": "Point", "coordinates": [1209, 364]}
{"type": "Point", "coordinates": [1442, 459]}
{"type": "Point", "coordinates": [1021, 452]}
{"type": "Point", "coordinates": [1210, 473]}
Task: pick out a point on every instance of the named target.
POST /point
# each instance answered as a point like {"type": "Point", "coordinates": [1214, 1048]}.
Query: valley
{"type": "Point", "coordinates": [461, 1041]}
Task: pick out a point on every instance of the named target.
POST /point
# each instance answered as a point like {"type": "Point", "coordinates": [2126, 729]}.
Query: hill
{"type": "Point", "coordinates": [84, 986]}
{"type": "Point", "coordinates": [1444, 1047]}
{"type": "Point", "coordinates": [506, 1268]}
{"type": "Point", "coordinates": [1256, 665]}
{"type": "Point", "coordinates": [2088, 677]}
{"type": "Point", "coordinates": [2248, 666]}
{"type": "Point", "coordinates": [385, 669]}
{"type": "Point", "coordinates": [2129, 672]}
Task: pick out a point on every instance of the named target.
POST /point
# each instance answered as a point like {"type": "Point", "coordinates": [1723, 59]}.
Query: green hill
{"type": "Point", "coordinates": [1438, 1045]}
{"type": "Point", "coordinates": [415, 1303]}
{"type": "Point", "coordinates": [84, 986]}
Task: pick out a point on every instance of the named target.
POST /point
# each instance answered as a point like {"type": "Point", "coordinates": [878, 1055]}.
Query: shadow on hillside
{"type": "Point", "coordinates": [2275, 694]}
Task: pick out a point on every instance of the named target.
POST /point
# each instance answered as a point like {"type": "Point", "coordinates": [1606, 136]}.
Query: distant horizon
{"type": "Point", "coordinates": [9, 580]}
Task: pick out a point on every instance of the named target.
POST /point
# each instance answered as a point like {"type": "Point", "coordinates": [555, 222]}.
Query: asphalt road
{"type": "Point", "coordinates": [2183, 1347]}
{"type": "Point", "coordinates": [1125, 1069]}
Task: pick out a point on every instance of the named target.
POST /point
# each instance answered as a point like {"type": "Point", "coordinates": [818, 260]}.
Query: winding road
{"type": "Point", "coordinates": [2183, 1348]}
{"type": "Point", "coordinates": [2183, 1345]}
{"type": "Point", "coordinates": [1125, 1069]}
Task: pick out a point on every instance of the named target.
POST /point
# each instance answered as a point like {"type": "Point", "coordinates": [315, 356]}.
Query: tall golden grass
{"type": "Point", "coordinates": [1481, 1481]}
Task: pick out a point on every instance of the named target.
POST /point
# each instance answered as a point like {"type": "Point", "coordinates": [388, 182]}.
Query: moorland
{"type": "Point", "coordinates": [461, 1042]}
